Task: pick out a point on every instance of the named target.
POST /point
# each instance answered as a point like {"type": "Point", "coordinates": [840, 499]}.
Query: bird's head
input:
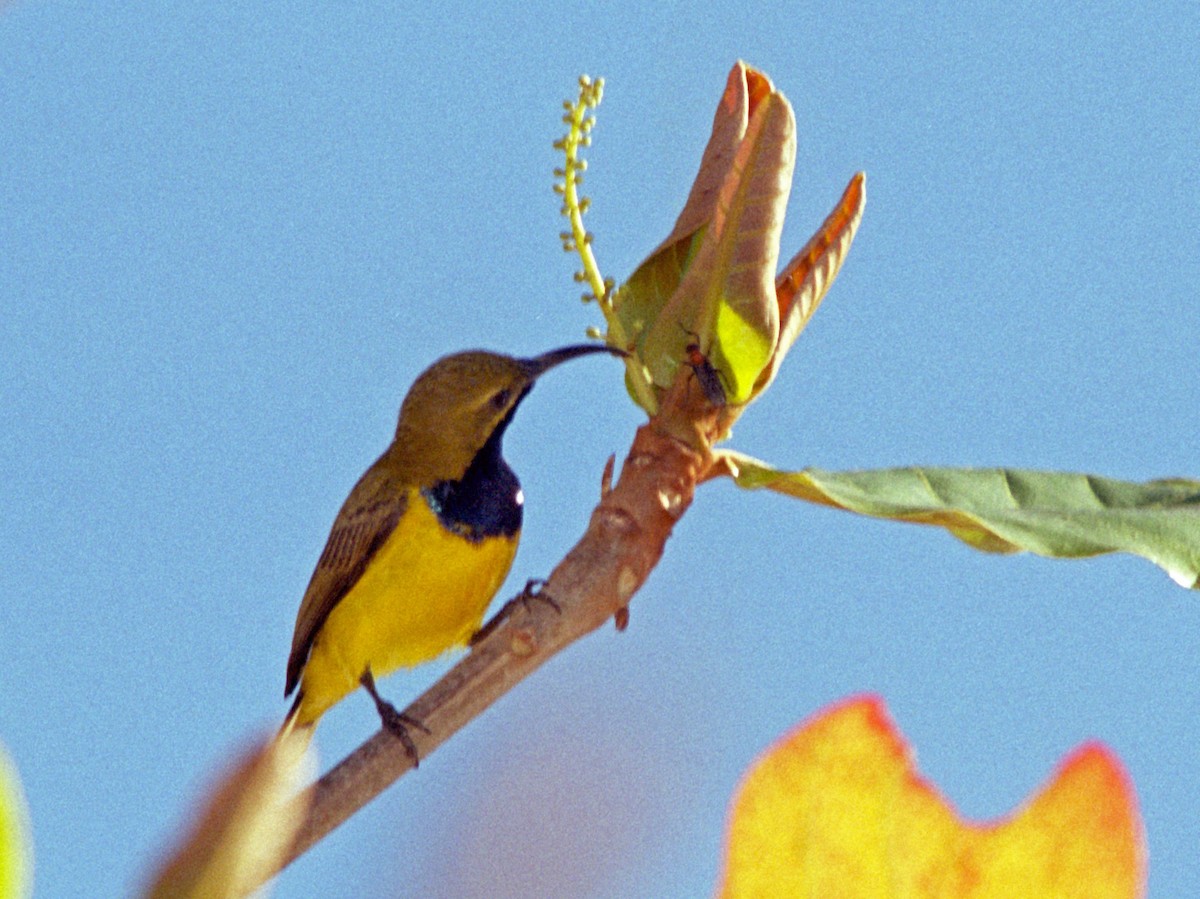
{"type": "Point", "coordinates": [463, 401]}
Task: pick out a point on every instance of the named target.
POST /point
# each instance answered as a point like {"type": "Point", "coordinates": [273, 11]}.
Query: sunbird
{"type": "Point", "coordinates": [423, 541]}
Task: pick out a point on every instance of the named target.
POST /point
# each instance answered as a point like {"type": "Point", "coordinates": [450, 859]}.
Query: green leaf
{"type": "Point", "coordinates": [641, 299]}
{"type": "Point", "coordinates": [16, 867]}
{"type": "Point", "coordinates": [1005, 510]}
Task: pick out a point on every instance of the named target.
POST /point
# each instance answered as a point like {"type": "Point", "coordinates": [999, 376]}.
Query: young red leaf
{"type": "Point", "coordinates": [807, 277]}
{"type": "Point", "coordinates": [710, 291]}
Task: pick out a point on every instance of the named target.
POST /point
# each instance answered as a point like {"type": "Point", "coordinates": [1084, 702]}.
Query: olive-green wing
{"type": "Point", "coordinates": [368, 516]}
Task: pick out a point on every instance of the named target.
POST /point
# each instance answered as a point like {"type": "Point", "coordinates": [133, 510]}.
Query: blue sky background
{"type": "Point", "coordinates": [231, 236]}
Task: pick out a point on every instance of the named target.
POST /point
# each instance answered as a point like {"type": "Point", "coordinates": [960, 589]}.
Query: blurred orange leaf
{"type": "Point", "coordinates": [836, 809]}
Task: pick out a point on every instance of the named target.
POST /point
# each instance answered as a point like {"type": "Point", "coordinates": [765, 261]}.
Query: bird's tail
{"type": "Point", "coordinates": [291, 726]}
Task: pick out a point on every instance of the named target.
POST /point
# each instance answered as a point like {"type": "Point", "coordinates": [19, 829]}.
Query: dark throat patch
{"type": "Point", "coordinates": [486, 501]}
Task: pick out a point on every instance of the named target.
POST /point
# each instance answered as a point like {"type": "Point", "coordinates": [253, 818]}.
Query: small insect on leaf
{"type": "Point", "coordinates": [707, 376]}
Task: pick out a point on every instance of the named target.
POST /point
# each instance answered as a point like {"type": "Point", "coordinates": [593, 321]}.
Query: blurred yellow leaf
{"type": "Point", "coordinates": [836, 809]}
{"type": "Point", "coordinates": [246, 826]}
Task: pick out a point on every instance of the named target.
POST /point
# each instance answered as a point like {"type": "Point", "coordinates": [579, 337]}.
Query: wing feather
{"type": "Point", "coordinates": [370, 513]}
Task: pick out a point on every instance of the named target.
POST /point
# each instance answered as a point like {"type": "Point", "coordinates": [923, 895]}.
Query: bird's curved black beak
{"type": "Point", "coordinates": [536, 366]}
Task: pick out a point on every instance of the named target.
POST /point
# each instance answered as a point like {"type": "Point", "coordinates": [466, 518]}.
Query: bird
{"type": "Point", "coordinates": [424, 540]}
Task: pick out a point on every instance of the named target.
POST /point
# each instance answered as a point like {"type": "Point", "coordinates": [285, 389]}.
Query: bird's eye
{"type": "Point", "coordinates": [500, 398]}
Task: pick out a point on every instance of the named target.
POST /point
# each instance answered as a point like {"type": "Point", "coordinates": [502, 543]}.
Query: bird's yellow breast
{"type": "Point", "coordinates": [424, 591]}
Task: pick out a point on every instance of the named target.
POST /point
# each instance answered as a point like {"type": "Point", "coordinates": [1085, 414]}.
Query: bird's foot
{"type": "Point", "coordinates": [533, 591]}
{"type": "Point", "coordinates": [397, 724]}
{"type": "Point", "coordinates": [394, 721]}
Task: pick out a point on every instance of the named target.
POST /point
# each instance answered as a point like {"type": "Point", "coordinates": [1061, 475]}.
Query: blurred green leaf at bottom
{"type": "Point", "coordinates": [16, 855]}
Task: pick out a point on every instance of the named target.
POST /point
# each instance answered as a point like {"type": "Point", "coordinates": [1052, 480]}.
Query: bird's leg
{"type": "Point", "coordinates": [533, 590]}
{"type": "Point", "coordinates": [394, 722]}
